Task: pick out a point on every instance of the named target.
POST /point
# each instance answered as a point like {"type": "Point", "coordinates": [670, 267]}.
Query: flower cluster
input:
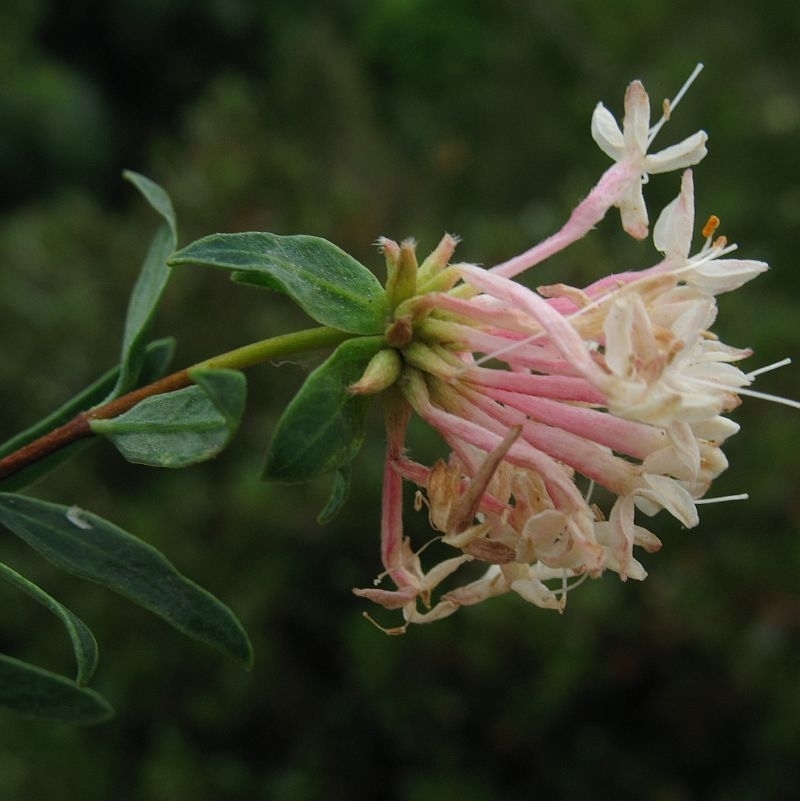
{"type": "Point", "coordinates": [620, 384]}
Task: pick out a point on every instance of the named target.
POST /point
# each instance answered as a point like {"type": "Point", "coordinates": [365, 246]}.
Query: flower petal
{"type": "Point", "coordinates": [672, 234]}
{"type": "Point", "coordinates": [633, 212]}
{"type": "Point", "coordinates": [636, 125]}
{"type": "Point", "coordinates": [725, 275]}
{"type": "Point", "coordinates": [606, 133]}
{"type": "Point", "coordinates": [686, 153]}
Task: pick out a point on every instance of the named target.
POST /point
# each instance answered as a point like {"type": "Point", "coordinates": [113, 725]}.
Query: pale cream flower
{"type": "Point", "coordinates": [672, 235]}
{"type": "Point", "coordinates": [630, 146]}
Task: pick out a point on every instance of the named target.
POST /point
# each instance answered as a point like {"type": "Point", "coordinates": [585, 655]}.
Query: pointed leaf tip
{"type": "Point", "coordinates": [150, 283]}
{"type": "Point", "coordinates": [83, 642]}
{"type": "Point", "coordinates": [155, 196]}
{"type": "Point", "coordinates": [37, 693]}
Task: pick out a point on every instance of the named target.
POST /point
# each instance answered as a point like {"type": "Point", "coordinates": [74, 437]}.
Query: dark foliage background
{"type": "Point", "coordinates": [349, 120]}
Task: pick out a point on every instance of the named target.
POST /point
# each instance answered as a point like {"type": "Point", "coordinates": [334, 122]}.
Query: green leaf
{"type": "Point", "coordinates": [323, 427]}
{"type": "Point", "coordinates": [83, 642]}
{"type": "Point", "coordinates": [226, 389]}
{"type": "Point", "coordinates": [180, 428]}
{"type": "Point", "coordinates": [93, 548]}
{"type": "Point", "coordinates": [149, 286]}
{"type": "Point", "coordinates": [327, 283]}
{"type": "Point", "coordinates": [157, 359]}
{"type": "Point", "coordinates": [158, 354]}
{"type": "Point", "coordinates": [38, 693]}
{"type": "Point", "coordinates": [340, 492]}
{"type": "Point", "coordinates": [155, 196]}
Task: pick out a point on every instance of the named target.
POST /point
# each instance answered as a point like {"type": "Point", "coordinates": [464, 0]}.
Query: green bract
{"type": "Point", "coordinates": [323, 427]}
{"type": "Point", "coordinates": [340, 491]}
{"type": "Point", "coordinates": [328, 284]}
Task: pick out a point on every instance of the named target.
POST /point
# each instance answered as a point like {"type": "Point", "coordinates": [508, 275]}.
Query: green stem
{"type": "Point", "coordinates": [255, 353]}
{"type": "Point", "coordinates": [276, 347]}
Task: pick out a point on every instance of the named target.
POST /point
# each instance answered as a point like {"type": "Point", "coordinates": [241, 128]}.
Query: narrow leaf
{"type": "Point", "coordinates": [38, 693]}
{"type": "Point", "coordinates": [155, 196]}
{"type": "Point", "coordinates": [328, 284]}
{"type": "Point", "coordinates": [180, 428]}
{"type": "Point", "coordinates": [158, 354]}
{"type": "Point", "coordinates": [93, 548]}
{"type": "Point", "coordinates": [323, 427]}
{"type": "Point", "coordinates": [83, 642]}
{"type": "Point", "coordinates": [150, 284]}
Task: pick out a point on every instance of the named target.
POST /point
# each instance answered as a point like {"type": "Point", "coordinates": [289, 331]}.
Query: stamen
{"type": "Point", "coordinates": [752, 393]}
{"type": "Point", "coordinates": [381, 576]}
{"type": "Point", "coordinates": [766, 396]}
{"type": "Point", "coordinates": [669, 105]}
{"type": "Point", "coordinates": [499, 352]}
{"type": "Point", "coordinates": [717, 249]}
{"type": "Point", "coordinates": [710, 226]}
{"type": "Point", "coordinates": [774, 366]}
{"type": "Point", "coordinates": [394, 631]}
{"type": "Point", "coordinates": [428, 543]}
{"type": "Point", "coordinates": [742, 496]}
{"type": "Point", "coordinates": [565, 588]}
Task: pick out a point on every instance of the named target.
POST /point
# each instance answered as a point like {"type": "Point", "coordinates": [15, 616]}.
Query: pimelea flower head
{"type": "Point", "coordinates": [620, 384]}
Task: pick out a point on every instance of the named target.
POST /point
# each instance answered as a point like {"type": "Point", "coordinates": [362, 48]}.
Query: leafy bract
{"type": "Point", "coordinates": [38, 693]}
{"type": "Point", "coordinates": [150, 284]}
{"type": "Point", "coordinates": [83, 642]}
{"type": "Point", "coordinates": [95, 549]}
{"type": "Point", "coordinates": [328, 284]}
{"type": "Point", "coordinates": [183, 427]}
{"type": "Point", "coordinates": [340, 492]}
{"type": "Point", "coordinates": [323, 427]}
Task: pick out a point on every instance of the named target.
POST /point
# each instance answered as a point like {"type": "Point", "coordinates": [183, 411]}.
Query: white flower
{"type": "Point", "coordinates": [525, 580]}
{"type": "Point", "coordinates": [672, 235]}
{"type": "Point", "coordinates": [630, 145]}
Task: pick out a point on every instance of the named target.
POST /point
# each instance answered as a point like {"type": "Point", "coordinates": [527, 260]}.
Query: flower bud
{"type": "Point", "coordinates": [381, 372]}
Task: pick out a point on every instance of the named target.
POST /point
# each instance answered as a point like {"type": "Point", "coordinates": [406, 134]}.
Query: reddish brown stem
{"type": "Point", "coordinates": [78, 427]}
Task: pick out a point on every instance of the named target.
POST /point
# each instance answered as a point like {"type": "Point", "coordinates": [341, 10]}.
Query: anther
{"type": "Point", "coordinates": [711, 226]}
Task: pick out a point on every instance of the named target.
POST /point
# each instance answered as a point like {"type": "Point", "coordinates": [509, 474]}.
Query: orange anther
{"type": "Point", "coordinates": [711, 226]}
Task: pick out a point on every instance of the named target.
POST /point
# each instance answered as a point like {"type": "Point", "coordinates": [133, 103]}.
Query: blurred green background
{"type": "Point", "coordinates": [349, 120]}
